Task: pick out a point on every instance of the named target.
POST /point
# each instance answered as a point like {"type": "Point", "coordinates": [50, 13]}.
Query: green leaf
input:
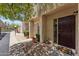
{"type": "Point", "coordinates": [13, 11]}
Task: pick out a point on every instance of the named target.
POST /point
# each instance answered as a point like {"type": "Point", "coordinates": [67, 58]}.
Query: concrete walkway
{"type": "Point", "coordinates": [17, 38]}
{"type": "Point", "coordinates": [4, 45]}
{"type": "Point", "coordinates": [9, 40]}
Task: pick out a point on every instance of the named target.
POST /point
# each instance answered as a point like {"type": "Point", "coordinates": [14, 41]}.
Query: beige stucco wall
{"type": "Point", "coordinates": [43, 28]}
{"type": "Point", "coordinates": [50, 29]}
{"type": "Point", "coordinates": [46, 24]}
{"type": "Point", "coordinates": [46, 21]}
{"type": "Point", "coordinates": [50, 18]}
{"type": "Point", "coordinates": [65, 12]}
{"type": "Point", "coordinates": [31, 29]}
{"type": "Point", "coordinates": [35, 27]}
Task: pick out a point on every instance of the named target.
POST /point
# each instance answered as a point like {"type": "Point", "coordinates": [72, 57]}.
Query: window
{"type": "Point", "coordinates": [66, 31]}
{"type": "Point", "coordinates": [55, 31]}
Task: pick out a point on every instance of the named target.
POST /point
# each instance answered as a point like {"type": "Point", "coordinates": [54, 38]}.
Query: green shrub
{"type": "Point", "coordinates": [26, 33]}
{"type": "Point", "coordinates": [38, 37]}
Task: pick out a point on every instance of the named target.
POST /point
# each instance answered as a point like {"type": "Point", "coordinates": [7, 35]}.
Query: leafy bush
{"type": "Point", "coordinates": [26, 33]}
{"type": "Point", "coordinates": [38, 37]}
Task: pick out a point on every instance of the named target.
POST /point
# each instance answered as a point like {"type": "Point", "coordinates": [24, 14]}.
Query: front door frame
{"type": "Point", "coordinates": [76, 20]}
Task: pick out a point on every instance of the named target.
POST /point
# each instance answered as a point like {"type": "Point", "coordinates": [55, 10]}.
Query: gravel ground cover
{"type": "Point", "coordinates": [36, 49]}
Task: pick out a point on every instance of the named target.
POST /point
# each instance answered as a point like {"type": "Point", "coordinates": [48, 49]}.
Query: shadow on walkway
{"type": "Point", "coordinates": [4, 45]}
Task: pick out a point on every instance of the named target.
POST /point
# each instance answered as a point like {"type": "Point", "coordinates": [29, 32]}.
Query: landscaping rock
{"type": "Point", "coordinates": [36, 49]}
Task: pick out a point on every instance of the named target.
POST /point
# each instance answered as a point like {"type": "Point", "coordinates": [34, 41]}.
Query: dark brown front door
{"type": "Point", "coordinates": [66, 31]}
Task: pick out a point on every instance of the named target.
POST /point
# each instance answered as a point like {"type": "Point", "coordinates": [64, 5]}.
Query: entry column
{"type": "Point", "coordinates": [42, 28]}
{"type": "Point", "coordinates": [31, 29]}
